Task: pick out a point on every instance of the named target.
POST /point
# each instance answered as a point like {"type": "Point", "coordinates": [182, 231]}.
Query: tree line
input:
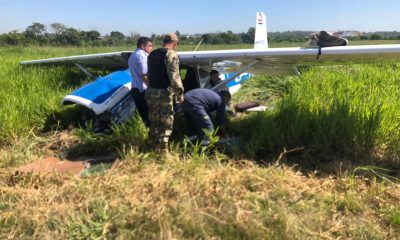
{"type": "Point", "coordinates": [57, 34]}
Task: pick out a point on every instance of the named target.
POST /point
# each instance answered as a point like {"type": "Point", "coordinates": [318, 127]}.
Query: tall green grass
{"type": "Point", "coordinates": [26, 95]}
{"type": "Point", "coordinates": [337, 111]}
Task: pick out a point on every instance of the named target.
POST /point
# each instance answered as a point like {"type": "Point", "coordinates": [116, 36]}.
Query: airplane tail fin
{"type": "Point", "coordinates": [261, 38]}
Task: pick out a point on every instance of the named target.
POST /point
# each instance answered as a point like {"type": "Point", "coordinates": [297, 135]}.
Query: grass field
{"type": "Point", "coordinates": [321, 163]}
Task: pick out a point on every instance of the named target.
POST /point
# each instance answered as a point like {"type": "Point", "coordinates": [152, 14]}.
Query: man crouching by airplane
{"type": "Point", "coordinates": [198, 105]}
{"type": "Point", "coordinates": [138, 68]}
{"type": "Point", "coordinates": [165, 87]}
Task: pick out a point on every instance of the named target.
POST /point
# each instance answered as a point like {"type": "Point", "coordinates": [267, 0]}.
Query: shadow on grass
{"type": "Point", "coordinates": [69, 116]}
{"type": "Point", "coordinates": [115, 140]}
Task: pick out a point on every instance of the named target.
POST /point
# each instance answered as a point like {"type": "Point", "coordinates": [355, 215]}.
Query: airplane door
{"type": "Point", "coordinates": [190, 80]}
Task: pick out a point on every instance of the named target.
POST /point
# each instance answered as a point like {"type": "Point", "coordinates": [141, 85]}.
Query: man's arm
{"type": "Point", "coordinates": [145, 79]}
{"type": "Point", "coordinates": [143, 69]}
{"type": "Point", "coordinates": [172, 61]}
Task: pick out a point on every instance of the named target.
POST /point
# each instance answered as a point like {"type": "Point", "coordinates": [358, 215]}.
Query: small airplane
{"type": "Point", "coordinates": [107, 98]}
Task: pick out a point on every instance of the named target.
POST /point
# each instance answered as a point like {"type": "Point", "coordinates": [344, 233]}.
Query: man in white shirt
{"type": "Point", "coordinates": [138, 68]}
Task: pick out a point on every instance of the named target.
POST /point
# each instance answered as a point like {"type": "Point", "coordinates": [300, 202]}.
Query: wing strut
{"type": "Point", "coordinates": [198, 45]}
{"type": "Point", "coordinates": [226, 81]}
{"type": "Point", "coordinates": [87, 72]}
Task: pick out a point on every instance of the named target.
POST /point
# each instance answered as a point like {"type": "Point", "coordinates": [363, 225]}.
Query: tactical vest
{"type": "Point", "coordinates": [157, 69]}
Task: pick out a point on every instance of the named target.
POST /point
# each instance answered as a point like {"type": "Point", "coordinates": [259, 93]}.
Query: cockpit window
{"type": "Point", "coordinates": [203, 73]}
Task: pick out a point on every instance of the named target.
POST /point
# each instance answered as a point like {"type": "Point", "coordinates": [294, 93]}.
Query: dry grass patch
{"type": "Point", "coordinates": [144, 199]}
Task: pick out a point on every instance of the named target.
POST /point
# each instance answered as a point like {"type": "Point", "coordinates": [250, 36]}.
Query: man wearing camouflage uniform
{"type": "Point", "coordinates": [165, 88]}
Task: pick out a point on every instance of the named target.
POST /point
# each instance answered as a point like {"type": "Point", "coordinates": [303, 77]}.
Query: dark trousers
{"type": "Point", "coordinates": [141, 105]}
{"type": "Point", "coordinates": [197, 120]}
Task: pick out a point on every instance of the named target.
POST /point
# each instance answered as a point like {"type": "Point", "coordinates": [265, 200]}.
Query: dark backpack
{"type": "Point", "coordinates": [325, 39]}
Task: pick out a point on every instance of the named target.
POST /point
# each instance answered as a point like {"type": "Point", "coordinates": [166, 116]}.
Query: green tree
{"type": "Point", "coordinates": [117, 35]}
{"type": "Point", "coordinates": [93, 35]}
{"type": "Point", "coordinates": [132, 40]}
{"type": "Point", "coordinates": [35, 33]}
{"type": "Point", "coordinates": [206, 38]}
{"type": "Point", "coordinates": [229, 37]}
{"type": "Point", "coordinates": [249, 36]}
{"type": "Point", "coordinates": [13, 38]}
{"type": "Point", "coordinates": [251, 33]}
{"type": "Point", "coordinates": [115, 38]}
{"type": "Point", "coordinates": [35, 30]}
{"type": "Point", "coordinates": [71, 36]}
{"type": "Point", "coordinates": [58, 28]}
{"type": "Point", "coordinates": [90, 35]}
{"type": "Point", "coordinates": [376, 37]}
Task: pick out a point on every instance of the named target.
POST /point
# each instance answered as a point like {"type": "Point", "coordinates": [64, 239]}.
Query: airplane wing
{"type": "Point", "coordinates": [285, 60]}
{"type": "Point", "coordinates": [112, 61]}
{"type": "Point", "coordinates": [271, 60]}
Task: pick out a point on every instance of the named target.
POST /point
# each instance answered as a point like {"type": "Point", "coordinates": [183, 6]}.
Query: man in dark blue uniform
{"type": "Point", "coordinates": [197, 106]}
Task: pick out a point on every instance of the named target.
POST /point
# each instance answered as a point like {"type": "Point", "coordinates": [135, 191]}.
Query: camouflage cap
{"type": "Point", "coordinates": [169, 37]}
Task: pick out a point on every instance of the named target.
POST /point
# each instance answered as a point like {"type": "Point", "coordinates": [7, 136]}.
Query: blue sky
{"type": "Point", "coordinates": [187, 16]}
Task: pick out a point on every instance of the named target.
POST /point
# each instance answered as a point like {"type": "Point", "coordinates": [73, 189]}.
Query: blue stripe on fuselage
{"type": "Point", "coordinates": [238, 80]}
{"type": "Point", "coordinates": [104, 87]}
